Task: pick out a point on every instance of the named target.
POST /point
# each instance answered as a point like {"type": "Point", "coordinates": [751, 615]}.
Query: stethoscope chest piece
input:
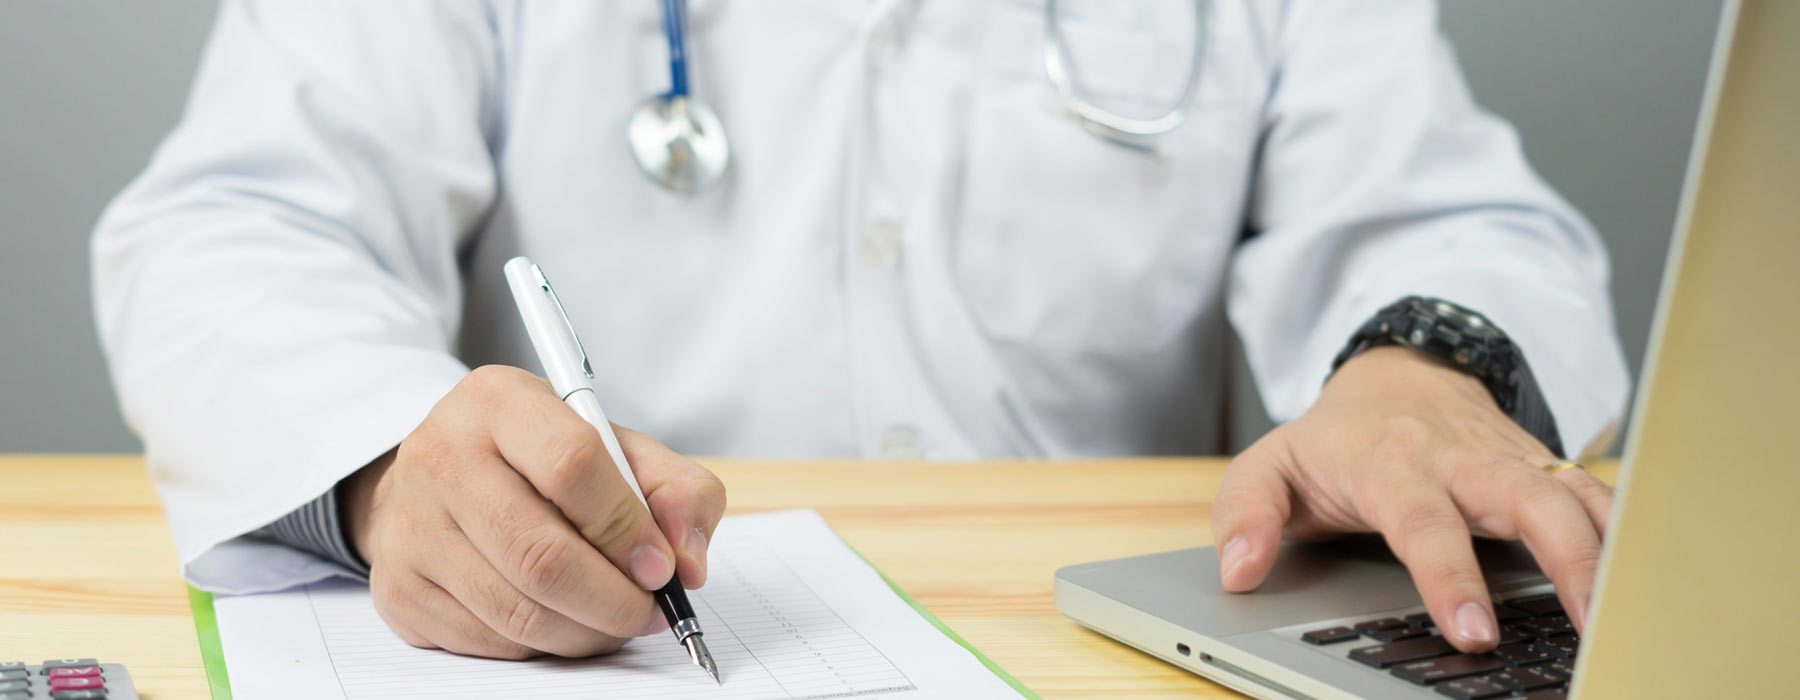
{"type": "Point", "coordinates": [679, 143]}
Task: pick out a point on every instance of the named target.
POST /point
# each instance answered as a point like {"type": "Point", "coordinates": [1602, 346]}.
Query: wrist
{"type": "Point", "coordinates": [358, 496]}
{"type": "Point", "coordinates": [1394, 370]}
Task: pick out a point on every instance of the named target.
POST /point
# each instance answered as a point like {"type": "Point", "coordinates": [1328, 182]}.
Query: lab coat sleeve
{"type": "Point", "coordinates": [1379, 177]}
{"type": "Point", "coordinates": [277, 293]}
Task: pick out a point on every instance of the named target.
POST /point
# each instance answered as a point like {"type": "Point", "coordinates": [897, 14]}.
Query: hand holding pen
{"type": "Point", "coordinates": [501, 527]}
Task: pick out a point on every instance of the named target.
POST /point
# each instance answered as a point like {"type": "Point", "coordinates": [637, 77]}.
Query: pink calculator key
{"type": "Point", "coordinates": [76, 672]}
{"type": "Point", "coordinates": [76, 683]}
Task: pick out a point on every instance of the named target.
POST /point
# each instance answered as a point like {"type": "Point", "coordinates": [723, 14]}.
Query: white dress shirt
{"type": "Point", "coordinates": [916, 252]}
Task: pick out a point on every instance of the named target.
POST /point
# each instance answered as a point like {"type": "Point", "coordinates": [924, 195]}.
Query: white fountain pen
{"type": "Point", "coordinates": [566, 366]}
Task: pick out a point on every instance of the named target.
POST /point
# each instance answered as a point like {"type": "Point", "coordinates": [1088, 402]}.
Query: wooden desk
{"type": "Point", "coordinates": [86, 567]}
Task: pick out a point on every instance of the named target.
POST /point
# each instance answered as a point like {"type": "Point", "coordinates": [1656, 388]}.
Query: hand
{"type": "Point", "coordinates": [1419, 452]}
{"type": "Point", "coordinates": [500, 527]}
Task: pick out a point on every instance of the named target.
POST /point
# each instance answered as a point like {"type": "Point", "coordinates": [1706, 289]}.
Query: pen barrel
{"type": "Point", "coordinates": [673, 601]}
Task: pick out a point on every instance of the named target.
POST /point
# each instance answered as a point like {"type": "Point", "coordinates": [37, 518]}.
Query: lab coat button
{"type": "Point", "coordinates": [899, 442]}
{"type": "Point", "coordinates": [879, 244]}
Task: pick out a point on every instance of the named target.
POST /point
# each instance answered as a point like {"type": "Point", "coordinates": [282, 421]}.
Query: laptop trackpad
{"type": "Point", "coordinates": [1312, 581]}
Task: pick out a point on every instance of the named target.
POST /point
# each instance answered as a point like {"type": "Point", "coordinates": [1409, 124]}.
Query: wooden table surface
{"type": "Point", "coordinates": [87, 568]}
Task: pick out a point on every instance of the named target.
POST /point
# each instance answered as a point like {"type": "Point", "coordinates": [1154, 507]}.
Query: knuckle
{"type": "Point", "coordinates": [577, 451]}
{"type": "Point", "coordinates": [1540, 490]}
{"type": "Point", "coordinates": [620, 526]}
{"type": "Point", "coordinates": [489, 379]}
{"type": "Point", "coordinates": [1403, 439]}
{"type": "Point", "coordinates": [1425, 519]}
{"type": "Point", "coordinates": [539, 561]}
{"type": "Point", "coordinates": [527, 621]}
{"type": "Point", "coordinates": [625, 615]}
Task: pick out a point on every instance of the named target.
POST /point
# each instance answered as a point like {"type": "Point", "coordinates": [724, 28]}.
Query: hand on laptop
{"type": "Point", "coordinates": [500, 527]}
{"type": "Point", "coordinates": [1420, 453]}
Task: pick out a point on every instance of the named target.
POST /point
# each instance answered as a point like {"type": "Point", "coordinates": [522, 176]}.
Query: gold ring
{"type": "Point", "coordinates": [1562, 464]}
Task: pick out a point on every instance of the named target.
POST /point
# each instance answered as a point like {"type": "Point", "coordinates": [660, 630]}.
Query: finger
{"type": "Point", "coordinates": [1560, 534]}
{"type": "Point", "coordinates": [1253, 504]}
{"type": "Point", "coordinates": [565, 459]}
{"type": "Point", "coordinates": [1427, 532]}
{"type": "Point", "coordinates": [688, 500]}
{"type": "Point", "coordinates": [539, 552]}
{"type": "Point", "coordinates": [427, 616]}
{"type": "Point", "coordinates": [1595, 496]}
{"type": "Point", "coordinates": [461, 571]}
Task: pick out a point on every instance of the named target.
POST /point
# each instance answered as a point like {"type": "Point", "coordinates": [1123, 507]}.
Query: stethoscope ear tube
{"type": "Point", "coordinates": [1126, 131]}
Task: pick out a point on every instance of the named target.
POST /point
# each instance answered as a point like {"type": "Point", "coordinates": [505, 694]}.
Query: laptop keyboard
{"type": "Point", "coordinates": [1535, 659]}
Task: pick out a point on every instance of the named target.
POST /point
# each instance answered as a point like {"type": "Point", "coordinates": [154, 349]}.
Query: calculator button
{"type": "Point", "coordinates": [66, 663]}
{"type": "Point", "coordinates": [74, 672]}
{"type": "Point", "coordinates": [15, 685]}
{"type": "Point", "coordinates": [83, 694]}
{"type": "Point", "coordinates": [14, 674]}
{"type": "Point", "coordinates": [76, 683]}
{"type": "Point", "coordinates": [15, 695]}
{"type": "Point", "coordinates": [12, 665]}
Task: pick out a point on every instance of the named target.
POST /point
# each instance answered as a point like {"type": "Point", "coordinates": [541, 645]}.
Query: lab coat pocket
{"type": "Point", "coordinates": [1070, 242]}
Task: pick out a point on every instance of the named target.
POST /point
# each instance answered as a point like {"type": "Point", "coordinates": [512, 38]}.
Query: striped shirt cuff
{"type": "Point", "coordinates": [315, 528]}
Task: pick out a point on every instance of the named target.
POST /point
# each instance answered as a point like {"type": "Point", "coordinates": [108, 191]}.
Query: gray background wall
{"type": "Point", "coordinates": [1605, 93]}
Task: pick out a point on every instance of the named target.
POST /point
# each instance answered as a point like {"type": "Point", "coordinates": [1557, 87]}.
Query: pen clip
{"type": "Point", "coordinates": [544, 282]}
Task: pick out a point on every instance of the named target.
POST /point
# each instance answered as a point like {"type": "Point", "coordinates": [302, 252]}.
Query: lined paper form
{"type": "Point", "coordinates": [790, 612]}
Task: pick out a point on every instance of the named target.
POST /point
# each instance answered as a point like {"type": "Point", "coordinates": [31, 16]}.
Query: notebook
{"type": "Point", "coordinates": [790, 612]}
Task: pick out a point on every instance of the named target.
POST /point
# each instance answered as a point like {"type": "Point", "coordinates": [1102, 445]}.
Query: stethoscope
{"type": "Point", "coordinates": [680, 144]}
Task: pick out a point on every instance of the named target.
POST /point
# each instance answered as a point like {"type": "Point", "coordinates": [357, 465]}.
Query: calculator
{"type": "Point", "coordinates": [65, 679]}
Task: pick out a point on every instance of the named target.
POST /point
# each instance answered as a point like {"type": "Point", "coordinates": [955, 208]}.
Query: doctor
{"type": "Point", "coordinates": [916, 246]}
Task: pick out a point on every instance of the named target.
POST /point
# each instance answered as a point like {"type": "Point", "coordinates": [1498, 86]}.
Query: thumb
{"type": "Point", "coordinates": [1248, 514]}
{"type": "Point", "coordinates": [687, 499]}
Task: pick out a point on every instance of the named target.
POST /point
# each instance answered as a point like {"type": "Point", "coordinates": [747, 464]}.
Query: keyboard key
{"type": "Point", "coordinates": [1381, 624]}
{"type": "Point", "coordinates": [1385, 655]}
{"type": "Point", "coordinates": [1547, 694]}
{"type": "Point", "coordinates": [1518, 655]}
{"type": "Point", "coordinates": [1562, 647]}
{"type": "Point", "coordinates": [1395, 634]}
{"type": "Point", "coordinates": [1330, 635]}
{"type": "Point", "coordinates": [1565, 667]}
{"type": "Point", "coordinates": [83, 694]}
{"type": "Point", "coordinates": [77, 683]}
{"type": "Point", "coordinates": [73, 672]}
{"type": "Point", "coordinates": [1529, 678]}
{"type": "Point", "coordinates": [1445, 668]}
{"type": "Point", "coordinates": [1545, 604]}
{"type": "Point", "coordinates": [1421, 620]}
{"type": "Point", "coordinates": [1513, 634]}
{"type": "Point", "coordinates": [66, 663]}
{"type": "Point", "coordinates": [1548, 626]}
{"type": "Point", "coordinates": [1472, 689]}
{"type": "Point", "coordinates": [14, 674]}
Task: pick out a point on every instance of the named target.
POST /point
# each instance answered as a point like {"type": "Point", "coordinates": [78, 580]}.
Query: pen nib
{"type": "Point", "coordinates": [697, 651]}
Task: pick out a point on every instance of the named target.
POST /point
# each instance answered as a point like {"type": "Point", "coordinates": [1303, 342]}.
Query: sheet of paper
{"type": "Point", "coordinates": [788, 609]}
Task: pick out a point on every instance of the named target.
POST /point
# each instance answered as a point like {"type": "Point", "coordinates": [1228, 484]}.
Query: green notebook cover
{"type": "Point", "coordinates": [212, 655]}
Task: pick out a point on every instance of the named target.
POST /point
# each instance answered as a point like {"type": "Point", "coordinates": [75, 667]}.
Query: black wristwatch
{"type": "Point", "coordinates": [1466, 341]}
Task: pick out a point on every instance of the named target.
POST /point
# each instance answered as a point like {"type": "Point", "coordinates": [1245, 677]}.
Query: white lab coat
{"type": "Point", "coordinates": [915, 253]}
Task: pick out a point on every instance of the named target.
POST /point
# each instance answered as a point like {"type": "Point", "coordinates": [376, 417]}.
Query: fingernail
{"type": "Point", "coordinates": [696, 547]}
{"type": "Point", "coordinates": [649, 567]}
{"type": "Point", "coordinates": [1234, 553]}
{"type": "Point", "coordinates": [1474, 624]}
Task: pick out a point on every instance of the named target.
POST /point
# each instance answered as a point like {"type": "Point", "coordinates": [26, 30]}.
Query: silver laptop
{"type": "Point", "coordinates": [1699, 589]}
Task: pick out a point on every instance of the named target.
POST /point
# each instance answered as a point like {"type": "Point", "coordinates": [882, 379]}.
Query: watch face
{"type": "Point", "coordinates": [1468, 322]}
